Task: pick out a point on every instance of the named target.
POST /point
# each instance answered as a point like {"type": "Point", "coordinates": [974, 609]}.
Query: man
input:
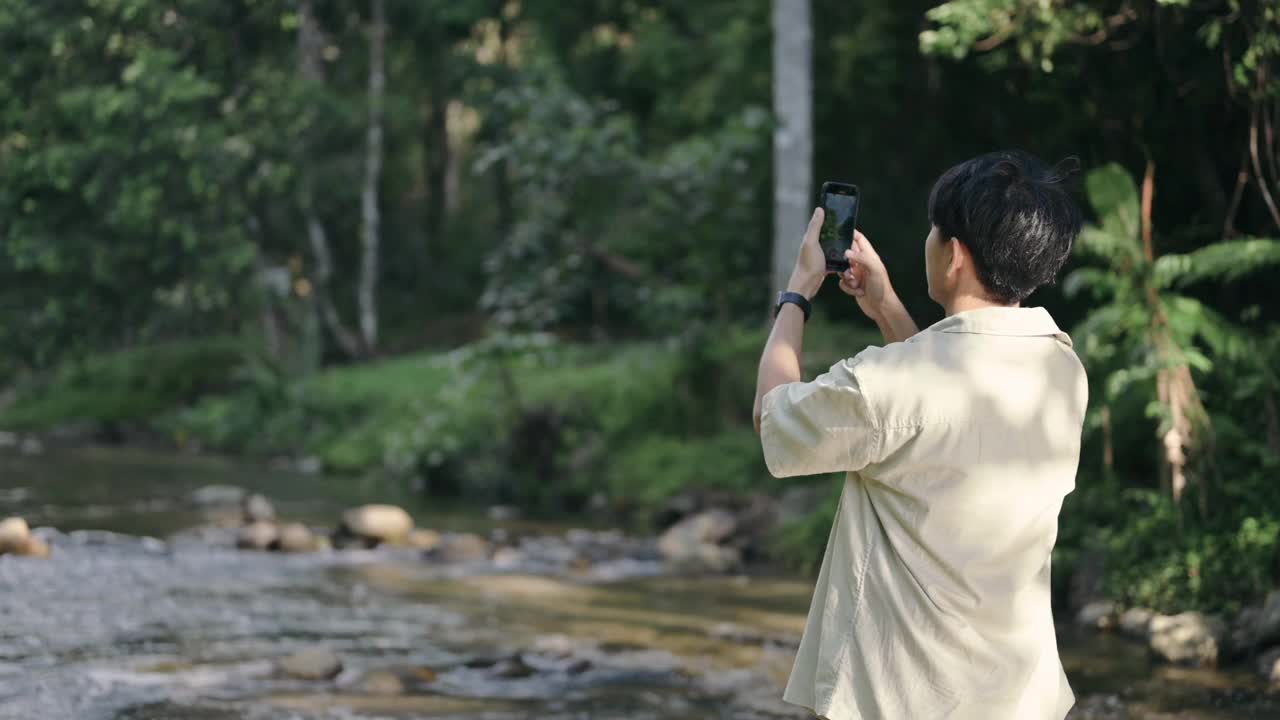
{"type": "Point", "coordinates": [959, 443]}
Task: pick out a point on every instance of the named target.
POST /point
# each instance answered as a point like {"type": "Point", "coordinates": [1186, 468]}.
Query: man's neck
{"type": "Point", "coordinates": [966, 302]}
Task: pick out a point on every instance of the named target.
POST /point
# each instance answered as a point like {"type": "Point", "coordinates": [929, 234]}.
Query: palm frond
{"type": "Point", "coordinates": [1107, 244]}
{"type": "Point", "coordinates": [1113, 194]}
{"type": "Point", "coordinates": [1097, 281]}
{"type": "Point", "coordinates": [1224, 261]}
{"type": "Point", "coordinates": [1100, 323]}
{"type": "Point", "coordinates": [1189, 318]}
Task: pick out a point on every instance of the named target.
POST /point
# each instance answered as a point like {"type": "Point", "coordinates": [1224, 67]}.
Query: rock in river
{"type": "Point", "coordinates": [311, 664]}
{"type": "Point", "coordinates": [382, 682]}
{"type": "Point", "coordinates": [460, 547]}
{"type": "Point", "coordinates": [1189, 638]}
{"type": "Point", "coordinates": [1269, 666]}
{"type": "Point", "coordinates": [384, 523]}
{"type": "Point", "coordinates": [257, 508]}
{"type": "Point", "coordinates": [693, 543]}
{"type": "Point", "coordinates": [423, 539]}
{"type": "Point", "coordinates": [14, 535]}
{"type": "Point", "coordinates": [296, 538]}
{"type": "Point", "coordinates": [1097, 615]}
{"type": "Point", "coordinates": [213, 495]}
{"type": "Point", "coordinates": [257, 536]}
{"type": "Point", "coordinates": [34, 547]}
{"type": "Point", "coordinates": [1136, 622]}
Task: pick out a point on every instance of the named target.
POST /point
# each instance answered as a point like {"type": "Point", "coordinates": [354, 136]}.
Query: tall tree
{"type": "Point", "coordinates": [310, 50]}
{"type": "Point", "coordinates": [370, 231]}
{"type": "Point", "coordinates": [793, 134]}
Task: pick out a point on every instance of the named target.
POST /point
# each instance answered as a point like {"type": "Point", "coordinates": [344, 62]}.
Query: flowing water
{"type": "Point", "coordinates": [144, 612]}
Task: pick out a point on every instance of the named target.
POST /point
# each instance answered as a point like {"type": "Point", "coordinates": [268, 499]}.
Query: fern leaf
{"type": "Point", "coordinates": [1107, 244]}
{"type": "Point", "coordinates": [1113, 194]}
{"type": "Point", "coordinates": [1224, 261]}
{"type": "Point", "coordinates": [1098, 282]}
{"type": "Point", "coordinates": [1192, 318]}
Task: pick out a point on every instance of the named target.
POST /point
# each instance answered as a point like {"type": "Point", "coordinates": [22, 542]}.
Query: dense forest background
{"type": "Point", "coordinates": [521, 251]}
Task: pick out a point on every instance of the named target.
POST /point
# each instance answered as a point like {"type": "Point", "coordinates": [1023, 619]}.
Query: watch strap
{"type": "Point", "coordinates": [795, 298]}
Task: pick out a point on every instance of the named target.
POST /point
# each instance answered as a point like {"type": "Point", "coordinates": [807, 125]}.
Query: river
{"type": "Point", "coordinates": [141, 615]}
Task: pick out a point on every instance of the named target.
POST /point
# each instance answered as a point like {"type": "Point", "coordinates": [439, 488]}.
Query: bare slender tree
{"type": "Point", "coordinates": [793, 135]}
{"type": "Point", "coordinates": [311, 67]}
{"type": "Point", "coordinates": [370, 231]}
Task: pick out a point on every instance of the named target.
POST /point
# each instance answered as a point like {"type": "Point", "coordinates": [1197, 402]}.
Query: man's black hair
{"type": "Point", "coordinates": [1015, 215]}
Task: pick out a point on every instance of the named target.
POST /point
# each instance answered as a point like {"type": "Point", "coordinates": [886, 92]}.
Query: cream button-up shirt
{"type": "Point", "coordinates": [959, 446]}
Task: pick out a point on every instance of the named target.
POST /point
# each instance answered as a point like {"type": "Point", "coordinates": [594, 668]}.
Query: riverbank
{"type": "Point", "coordinates": [626, 432]}
{"type": "Point", "coordinates": [181, 625]}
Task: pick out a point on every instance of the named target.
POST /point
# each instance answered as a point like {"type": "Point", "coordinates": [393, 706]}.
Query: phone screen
{"type": "Point", "coordinates": [840, 213]}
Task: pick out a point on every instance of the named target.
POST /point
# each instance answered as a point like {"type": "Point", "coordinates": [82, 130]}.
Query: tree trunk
{"type": "Point", "coordinates": [793, 135]}
{"type": "Point", "coordinates": [1175, 387]}
{"type": "Point", "coordinates": [311, 67]}
{"type": "Point", "coordinates": [366, 296]}
{"type": "Point", "coordinates": [436, 161]}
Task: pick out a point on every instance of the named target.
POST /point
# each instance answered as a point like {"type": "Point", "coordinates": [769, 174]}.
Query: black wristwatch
{"type": "Point", "coordinates": [800, 301]}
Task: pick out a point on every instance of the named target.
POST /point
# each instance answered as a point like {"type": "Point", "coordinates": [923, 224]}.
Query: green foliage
{"type": "Point", "coordinates": [659, 466]}
{"type": "Point", "coordinates": [1216, 568]}
{"type": "Point", "coordinates": [1223, 261]}
{"type": "Point", "coordinates": [131, 386]}
{"type": "Point", "coordinates": [1033, 28]}
{"type": "Point", "coordinates": [1141, 327]}
{"type": "Point", "coordinates": [801, 544]}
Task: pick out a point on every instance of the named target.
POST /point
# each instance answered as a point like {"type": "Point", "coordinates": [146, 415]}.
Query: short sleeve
{"type": "Point", "coordinates": [822, 426]}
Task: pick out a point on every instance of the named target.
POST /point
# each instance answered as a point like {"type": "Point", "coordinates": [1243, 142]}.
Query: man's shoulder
{"type": "Point", "coordinates": [914, 349]}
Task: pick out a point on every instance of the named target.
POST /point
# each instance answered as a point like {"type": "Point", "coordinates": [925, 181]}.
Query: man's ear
{"type": "Point", "coordinates": [959, 256]}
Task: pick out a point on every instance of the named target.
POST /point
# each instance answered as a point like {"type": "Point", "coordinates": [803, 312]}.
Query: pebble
{"type": "Point", "coordinates": [311, 664]}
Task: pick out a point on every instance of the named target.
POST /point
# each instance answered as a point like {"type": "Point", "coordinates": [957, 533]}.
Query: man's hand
{"type": "Point", "coordinates": [867, 281]}
{"type": "Point", "coordinates": [811, 265]}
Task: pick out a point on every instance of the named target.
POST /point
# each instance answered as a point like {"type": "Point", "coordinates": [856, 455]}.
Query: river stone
{"type": "Point", "coordinates": [461, 547]}
{"type": "Point", "coordinates": [507, 558]}
{"type": "Point", "coordinates": [295, 538]}
{"type": "Point", "coordinates": [14, 534]}
{"type": "Point", "coordinates": [33, 547]}
{"type": "Point", "coordinates": [691, 544]}
{"type": "Point", "coordinates": [382, 682]}
{"type": "Point", "coordinates": [423, 539]}
{"type": "Point", "coordinates": [1097, 615]}
{"type": "Point", "coordinates": [311, 664]}
{"type": "Point", "coordinates": [257, 536]}
{"type": "Point", "coordinates": [1136, 622]}
{"type": "Point", "coordinates": [711, 526]}
{"type": "Point", "coordinates": [1189, 638]}
{"type": "Point", "coordinates": [1257, 627]}
{"type": "Point", "coordinates": [309, 465]}
{"type": "Point", "coordinates": [511, 668]}
{"type": "Point", "coordinates": [504, 513]}
{"type": "Point", "coordinates": [384, 523]}
{"type": "Point", "coordinates": [212, 495]}
{"type": "Point", "coordinates": [1269, 666]}
{"type": "Point", "coordinates": [257, 508]}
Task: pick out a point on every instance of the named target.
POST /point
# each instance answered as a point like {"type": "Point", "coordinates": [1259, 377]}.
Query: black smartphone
{"type": "Point", "coordinates": [839, 203]}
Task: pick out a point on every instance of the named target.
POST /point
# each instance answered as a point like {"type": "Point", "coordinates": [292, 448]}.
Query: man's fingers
{"type": "Point", "coordinates": [815, 225]}
{"type": "Point", "coordinates": [861, 242]}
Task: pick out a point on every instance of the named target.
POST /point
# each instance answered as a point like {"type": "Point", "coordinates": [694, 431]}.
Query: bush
{"type": "Point", "coordinates": [131, 386]}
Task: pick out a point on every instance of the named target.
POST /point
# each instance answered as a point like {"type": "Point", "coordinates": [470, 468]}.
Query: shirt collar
{"type": "Point", "coordinates": [1019, 321]}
